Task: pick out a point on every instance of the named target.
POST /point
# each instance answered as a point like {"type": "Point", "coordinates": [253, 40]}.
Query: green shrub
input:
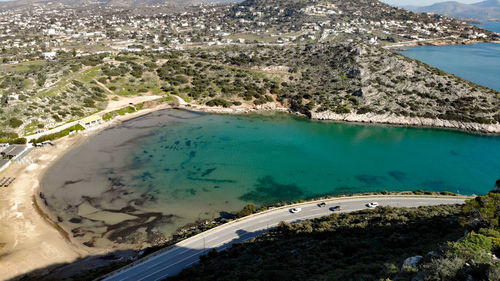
{"type": "Point", "coordinates": [108, 116]}
{"type": "Point", "coordinates": [59, 135]}
{"type": "Point", "coordinates": [247, 210]}
{"type": "Point", "coordinates": [8, 135]}
{"type": "Point", "coordinates": [218, 102]}
{"type": "Point", "coordinates": [15, 123]}
{"type": "Point", "coordinates": [474, 247]}
{"type": "Point", "coordinates": [125, 110]}
{"type": "Point", "coordinates": [18, 141]}
{"type": "Point", "coordinates": [483, 211]}
{"type": "Point", "coordinates": [364, 109]}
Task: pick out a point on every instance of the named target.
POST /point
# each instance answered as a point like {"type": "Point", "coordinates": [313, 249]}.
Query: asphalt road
{"type": "Point", "coordinates": [187, 252]}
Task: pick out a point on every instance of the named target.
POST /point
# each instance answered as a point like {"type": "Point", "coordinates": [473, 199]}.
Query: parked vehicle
{"type": "Point", "coordinates": [322, 204]}
{"type": "Point", "coordinates": [295, 210]}
{"type": "Point", "coordinates": [372, 205]}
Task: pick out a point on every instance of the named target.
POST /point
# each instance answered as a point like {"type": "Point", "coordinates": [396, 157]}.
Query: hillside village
{"type": "Point", "coordinates": [61, 63]}
{"type": "Point", "coordinates": [96, 28]}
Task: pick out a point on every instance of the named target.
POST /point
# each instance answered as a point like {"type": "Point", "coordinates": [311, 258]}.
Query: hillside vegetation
{"type": "Point", "coordinates": [319, 58]}
{"type": "Point", "coordinates": [327, 77]}
{"type": "Point", "coordinates": [454, 242]}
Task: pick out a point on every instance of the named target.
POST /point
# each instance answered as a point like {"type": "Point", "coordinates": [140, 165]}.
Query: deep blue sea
{"type": "Point", "coordinates": [479, 63]}
{"type": "Point", "coordinates": [490, 25]}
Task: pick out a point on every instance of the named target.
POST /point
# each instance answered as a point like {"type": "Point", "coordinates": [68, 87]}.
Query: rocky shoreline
{"type": "Point", "coordinates": [443, 42]}
{"type": "Point", "coordinates": [387, 119]}
{"type": "Point", "coordinates": [408, 121]}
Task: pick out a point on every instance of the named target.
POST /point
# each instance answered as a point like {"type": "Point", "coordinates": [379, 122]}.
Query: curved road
{"type": "Point", "coordinates": [187, 252]}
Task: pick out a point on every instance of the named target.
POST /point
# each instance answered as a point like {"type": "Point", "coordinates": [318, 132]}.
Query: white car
{"type": "Point", "coordinates": [372, 205]}
{"type": "Point", "coordinates": [295, 210]}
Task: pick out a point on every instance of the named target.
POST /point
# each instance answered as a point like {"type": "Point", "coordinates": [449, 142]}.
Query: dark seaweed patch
{"type": "Point", "coordinates": [133, 140]}
{"type": "Point", "coordinates": [116, 182]}
{"type": "Point", "coordinates": [140, 201]}
{"type": "Point", "coordinates": [192, 154]}
{"type": "Point", "coordinates": [75, 220]}
{"type": "Point", "coordinates": [188, 143]}
{"type": "Point", "coordinates": [127, 210]}
{"type": "Point", "coordinates": [145, 176]}
{"type": "Point", "coordinates": [79, 232]}
{"type": "Point", "coordinates": [211, 180]}
{"type": "Point", "coordinates": [208, 172]}
{"type": "Point", "coordinates": [370, 180]}
{"type": "Point", "coordinates": [268, 191]}
{"type": "Point", "coordinates": [125, 230]}
{"type": "Point", "coordinates": [66, 183]}
{"type": "Point", "coordinates": [398, 175]}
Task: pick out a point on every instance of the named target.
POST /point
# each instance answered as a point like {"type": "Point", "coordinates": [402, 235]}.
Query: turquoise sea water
{"type": "Point", "coordinates": [267, 159]}
{"type": "Point", "coordinates": [152, 175]}
{"type": "Point", "coordinates": [479, 63]}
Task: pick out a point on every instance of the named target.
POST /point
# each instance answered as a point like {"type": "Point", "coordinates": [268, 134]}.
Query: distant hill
{"type": "Point", "coordinates": [486, 10]}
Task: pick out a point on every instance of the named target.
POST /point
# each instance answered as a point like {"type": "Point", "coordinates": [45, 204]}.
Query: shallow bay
{"type": "Point", "coordinates": [139, 181]}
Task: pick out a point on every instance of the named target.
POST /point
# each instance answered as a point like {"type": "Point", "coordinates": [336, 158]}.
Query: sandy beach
{"type": "Point", "coordinates": [29, 240]}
